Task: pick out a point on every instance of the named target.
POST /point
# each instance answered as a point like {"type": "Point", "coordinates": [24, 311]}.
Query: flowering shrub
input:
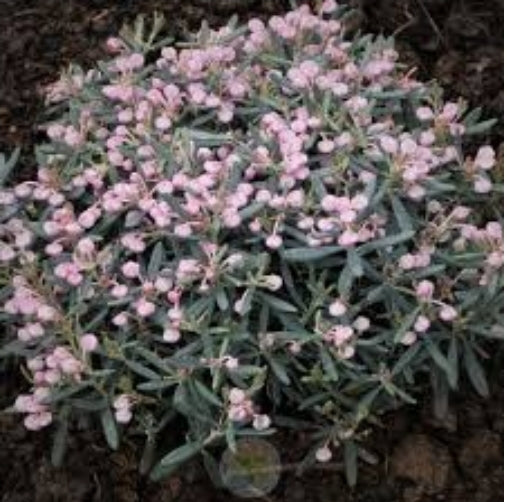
{"type": "Point", "coordinates": [267, 226]}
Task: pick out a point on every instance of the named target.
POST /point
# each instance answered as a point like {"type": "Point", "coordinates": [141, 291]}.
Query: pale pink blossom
{"type": "Point", "coordinates": [422, 324]}
{"type": "Point", "coordinates": [120, 319]}
{"type": "Point", "coordinates": [361, 324]}
{"type": "Point", "coordinates": [409, 338]}
{"type": "Point", "coordinates": [337, 308]}
{"type": "Point", "coordinates": [123, 415]}
{"type": "Point", "coordinates": [447, 313]}
{"type": "Point", "coordinates": [485, 158]}
{"type": "Point", "coordinates": [348, 238]}
{"type": "Point", "coordinates": [424, 113]}
{"type": "Point", "coordinates": [323, 454]}
{"type": "Point", "coordinates": [46, 313]}
{"type": "Point", "coordinates": [261, 422]}
{"type": "Point", "coordinates": [130, 269]}
{"type": "Point", "coordinates": [144, 308]}
{"type": "Point", "coordinates": [119, 290]}
{"type": "Point", "coordinates": [326, 146]}
{"type": "Point", "coordinates": [171, 335]}
{"type": "Point", "coordinates": [482, 184]}
{"type": "Point", "coordinates": [273, 241]}
{"type": "Point", "coordinates": [273, 282]}
{"type": "Point", "coordinates": [425, 290]}
{"type": "Point", "coordinates": [237, 396]}
{"type": "Point", "coordinates": [37, 421]}
{"type": "Point", "coordinates": [88, 342]}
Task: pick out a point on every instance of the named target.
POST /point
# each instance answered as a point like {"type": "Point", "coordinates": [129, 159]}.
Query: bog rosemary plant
{"type": "Point", "coordinates": [264, 227]}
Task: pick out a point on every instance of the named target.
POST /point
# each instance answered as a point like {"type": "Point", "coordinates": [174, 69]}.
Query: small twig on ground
{"type": "Point", "coordinates": [433, 24]}
{"type": "Point", "coordinates": [411, 20]}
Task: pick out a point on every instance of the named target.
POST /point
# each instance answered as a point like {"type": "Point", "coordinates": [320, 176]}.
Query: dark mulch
{"type": "Point", "coordinates": [419, 459]}
{"type": "Point", "coordinates": [457, 42]}
{"type": "Point", "coordinates": [38, 39]}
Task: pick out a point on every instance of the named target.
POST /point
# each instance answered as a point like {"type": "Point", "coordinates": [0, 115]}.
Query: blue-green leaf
{"type": "Point", "coordinates": [109, 428]}
{"type": "Point", "coordinates": [175, 459]}
{"type": "Point", "coordinates": [475, 371]}
{"type": "Point", "coordinates": [307, 254]}
{"type": "Point", "coordinates": [351, 461]}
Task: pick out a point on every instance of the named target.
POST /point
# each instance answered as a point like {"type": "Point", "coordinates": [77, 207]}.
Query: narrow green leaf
{"type": "Point", "coordinates": [354, 262]}
{"type": "Point", "coordinates": [207, 394]}
{"type": "Point", "coordinates": [453, 363]}
{"type": "Point", "coordinates": [175, 459]}
{"type": "Point", "coordinates": [438, 357]}
{"type": "Point", "coordinates": [406, 325]}
{"type": "Point", "coordinates": [92, 404]}
{"type": "Point", "coordinates": [279, 370]}
{"type": "Point", "coordinates": [328, 364]}
{"type": "Point", "coordinates": [155, 260]}
{"type": "Point", "coordinates": [109, 428]}
{"type": "Point", "coordinates": [213, 469]}
{"type": "Point", "coordinates": [481, 127]}
{"type": "Point", "coordinates": [96, 321]}
{"type": "Point", "coordinates": [440, 393]}
{"type": "Point", "coordinates": [397, 94]}
{"type": "Point", "coordinates": [475, 371]}
{"type": "Point", "coordinates": [142, 370]}
{"type": "Point", "coordinates": [251, 210]}
{"type": "Point", "coordinates": [153, 358]}
{"type": "Point", "coordinates": [402, 394]}
{"type": "Point", "coordinates": [221, 299]}
{"type": "Point", "coordinates": [403, 219]}
{"type": "Point", "coordinates": [351, 462]}
{"type": "Point", "coordinates": [207, 138]}
{"type": "Point", "coordinates": [472, 117]}
{"type": "Point", "coordinates": [60, 441]}
{"type": "Point", "coordinates": [435, 186]}
{"type": "Point", "coordinates": [6, 166]}
{"type": "Point", "coordinates": [66, 393]}
{"type": "Point", "coordinates": [289, 284]}
{"type": "Point", "coordinates": [246, 302]}
{"type": "Point", "coordinates": [187, 402]}
{"type": "Point", "coordinates": [147, 456]}
{"type": "Point", "coordinates": [384, 242]}
{"type": "Point", "coordinates": [314, 399]}
{"type": "Point", "coordinates": [156, 385]}
{"type": "Point", "coordinates": [433, 270]}
{"type": "Point", "coordinates": [375, 295]}
{"type": "Point", "coordinates": [231, 437]}
{"type": "Point", "coordinates": [307, 254]}
{"type": "Point", "coordinates": [365, 403]}
{"type": "Point", "coordinates": [276, 303]}
{"type": "Point", "coordinates": [345, 281]}
{"type": "Point", "coordinates": [406, 358]}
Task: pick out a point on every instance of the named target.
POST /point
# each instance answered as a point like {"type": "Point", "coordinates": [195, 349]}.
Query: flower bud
{"type": "Point", "coordinates": [323, 454]}
{"type": "Point", "coordinates": [88, 343]}
{"type": "Point", "coordinates": [261, 422]}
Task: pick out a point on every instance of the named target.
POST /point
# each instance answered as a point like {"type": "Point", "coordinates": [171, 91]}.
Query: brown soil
{"type": "Point", "coordinates": [458, 42]}
{"type": "Point", "coordinates": [459, 459]}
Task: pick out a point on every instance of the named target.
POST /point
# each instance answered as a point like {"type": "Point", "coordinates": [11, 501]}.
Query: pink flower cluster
{"type": "Point", "coordinates": [490, 241]}
{"type": "Point", "coordinates": [229, 362]}
{"type": "Point", "coordinates": [16, 238]}
{"type": "Point", "coordinates": [38, 414]}
{"type": "Point", "coordinates": [122, 405]}
{"type": "Point", "coordinates": [241, 409]}
{"type": "Point", "coordinates": [187, 198]}
{"type": "Point", "coordinates": [342, 336]}
{"type": "Point", "coordinates": [432, 310]}
{"type": "Point", "coordinates": [47, 371]}
{"type": "Point", "coordinates": [29, 303]}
